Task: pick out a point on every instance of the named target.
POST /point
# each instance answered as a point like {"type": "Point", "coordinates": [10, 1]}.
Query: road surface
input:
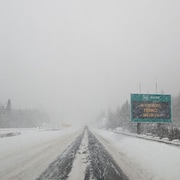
{"type": "Point", "coordinates": [84, 155]}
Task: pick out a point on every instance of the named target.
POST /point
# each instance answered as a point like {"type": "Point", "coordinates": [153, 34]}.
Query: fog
{"type": "Point", "coordinates": [75, 58]}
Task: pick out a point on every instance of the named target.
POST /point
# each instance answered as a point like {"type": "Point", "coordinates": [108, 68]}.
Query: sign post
{"type": "Point", "coordinates": [150, 108]}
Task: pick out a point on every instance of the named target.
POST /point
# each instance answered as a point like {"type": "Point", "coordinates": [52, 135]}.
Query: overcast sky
{"type": "Point", "coordinates": [75, 58]}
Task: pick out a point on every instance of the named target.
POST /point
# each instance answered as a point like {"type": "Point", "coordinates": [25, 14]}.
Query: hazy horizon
{"type": "Point", "coordinates": [74, 59]}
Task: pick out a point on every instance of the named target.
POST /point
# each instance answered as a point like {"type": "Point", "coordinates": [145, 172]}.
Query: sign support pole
{"type": "Point", "coordinates": [139, 124]}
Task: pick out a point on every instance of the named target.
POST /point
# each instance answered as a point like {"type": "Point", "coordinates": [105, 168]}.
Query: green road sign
{"type": "Point", "coordinates": [150, 108]}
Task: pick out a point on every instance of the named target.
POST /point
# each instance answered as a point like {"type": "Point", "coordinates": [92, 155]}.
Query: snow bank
{"type": "Point", "coordinates": [148, 136]}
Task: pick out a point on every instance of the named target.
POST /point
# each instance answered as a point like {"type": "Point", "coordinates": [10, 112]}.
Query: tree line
{"type": "Point", "coordinates": [21, 118]}
{"type": "Point", "coordinates": [111, 119]}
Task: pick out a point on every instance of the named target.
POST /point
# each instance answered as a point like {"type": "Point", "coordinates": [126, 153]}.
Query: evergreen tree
{"type": "Point", "coordinates": [8, 107]}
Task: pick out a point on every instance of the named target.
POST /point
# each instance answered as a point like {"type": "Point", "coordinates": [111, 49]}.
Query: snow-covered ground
{"type": "Point", "coordinates": [142, 159]}
{"type": "Point", "coordinates": [28, 154]}
{"type": "Point", "coordinates": [148, 136]}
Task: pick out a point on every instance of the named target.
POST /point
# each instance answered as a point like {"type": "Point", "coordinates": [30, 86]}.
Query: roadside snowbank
{"type": "Point", "coordinates": [149, 137]}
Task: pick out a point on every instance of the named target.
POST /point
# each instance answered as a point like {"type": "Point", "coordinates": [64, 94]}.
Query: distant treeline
{"type": "Point", "coordinates": [121, 118]}
{"type": "Point", "coordinates": [21, 118]}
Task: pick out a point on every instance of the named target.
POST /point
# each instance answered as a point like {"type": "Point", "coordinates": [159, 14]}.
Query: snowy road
{"type": "Point", "coordinates": [84, 155]}
{"type": "Point", "coordinates": [87, 150]}
{"type": "Point", "coordinates": [27, 155]}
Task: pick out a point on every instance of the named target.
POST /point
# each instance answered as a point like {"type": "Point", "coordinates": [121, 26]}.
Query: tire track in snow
{"type": "Point", "coordinates": [102, 164]}
{"type": "Point", "coordinates": [30, 161]}
{"type": "Point", "coordinates": [61, 167]}
{"type": "Point", "coordinates": [82, 162]}
{"type": "Point", "coordinates": [85, 159]}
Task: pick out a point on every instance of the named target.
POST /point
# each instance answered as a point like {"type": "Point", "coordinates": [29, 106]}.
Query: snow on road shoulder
{"type": "Point", "coordinates": [157, 160]}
